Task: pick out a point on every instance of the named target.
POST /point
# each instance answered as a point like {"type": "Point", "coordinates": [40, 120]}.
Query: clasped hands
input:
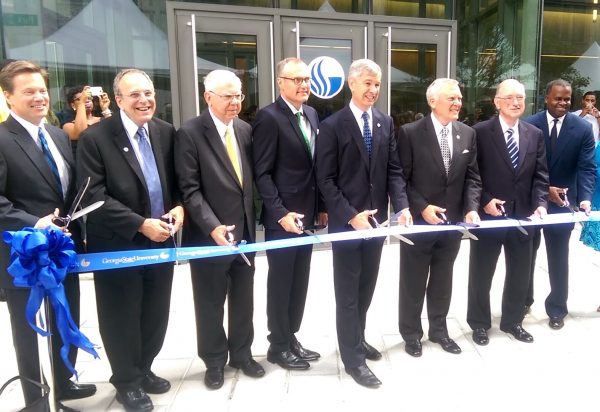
{"type": "Point", "coordinates": [159, 230]}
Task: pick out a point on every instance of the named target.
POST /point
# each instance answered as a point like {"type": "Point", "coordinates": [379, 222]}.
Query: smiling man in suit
{"type": "Point", "coordinates": [37, 180]}
{"type": "Point", "coordinates": [439, 158]}
{"type": "Point", "coordinates": [214, 167]}
{"type": "Point", "coordinates": [572, 169]}
{"type": "Point", "coordinates": [283, 141]}
{"type": "Point", "coordinates": [512, 163]}
{"type": "Point", "coordinates": [129, 158]}
{"type": "Point", "coordinates": [359, 173]}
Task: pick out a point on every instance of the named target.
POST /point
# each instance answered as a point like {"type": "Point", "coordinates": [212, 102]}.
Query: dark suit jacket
{"type": "Point", "coordinates": [104, 153]}
{"type": "Point", "coordinates": [460, 190]}
{"type": "Point", "coordinates": [211, 193]}
{"type": "Point", "coordinates": [349, 181]}
{"type": "Point", "coordinates": [572, 164]}
{"type": "Point", "coordinates": [27, 187]}
{"type": "Point", "coordinates": [283, 165]}
{"type": "Point", "coordinates": [523, 189]}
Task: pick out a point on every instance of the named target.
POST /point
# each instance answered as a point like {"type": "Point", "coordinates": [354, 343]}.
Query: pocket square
{"type": "Point", "coordinates": [465, 151]}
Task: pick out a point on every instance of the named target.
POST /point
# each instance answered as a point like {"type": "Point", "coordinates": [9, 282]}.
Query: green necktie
{"type": "Point", "coordinates": [301, 126]}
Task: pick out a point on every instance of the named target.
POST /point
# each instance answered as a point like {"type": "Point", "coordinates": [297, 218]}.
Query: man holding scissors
{"type": "Point", "coordinates": [214, 167]}
{"type": "Point", "coordinates": [129, 158]}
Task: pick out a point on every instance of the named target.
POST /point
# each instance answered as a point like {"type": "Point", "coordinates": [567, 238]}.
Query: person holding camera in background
{"type": "Point", "coordinates": [590, 113]}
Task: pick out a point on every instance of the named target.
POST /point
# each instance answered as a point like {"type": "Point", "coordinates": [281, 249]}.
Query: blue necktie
{"type": "Point", "coordinates": [150, 171]}
{"type": "Point", "coordinates": [50, 159]}
{"type": "Point", "coordinates": [513, 149]}
{"type": "Point", "coordinates": [367, 133]}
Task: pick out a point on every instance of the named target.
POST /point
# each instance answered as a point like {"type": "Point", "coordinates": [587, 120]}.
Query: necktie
{"type": "Point", "coordinates": [553, 135]}
{"type": "Point", "coordinates": [49, 159]}
{"type": "Point", "coordinates": [232, 153]}
{"type": "Point", "coordinates": [150, 172]}
{"type": "Point", "coordinates": [513, 149]}
{"type": "Point", "coordinates": [304, 134]}
{"type": "Point", "coordinates": [367, 136]}
{"type": "Point", "coordinates": [445, 148]}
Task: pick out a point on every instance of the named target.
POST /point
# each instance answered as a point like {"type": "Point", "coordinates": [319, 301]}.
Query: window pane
{"type": "Point", "coordinates": [327, 6]}
{"type": "Point", "coordinates": [433, 9]}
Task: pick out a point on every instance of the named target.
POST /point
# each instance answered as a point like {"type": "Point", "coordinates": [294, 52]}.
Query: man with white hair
{"type": "Point", "coordinates": [214, 168]}
{"type": "Point", "coordinates": [512, 163]}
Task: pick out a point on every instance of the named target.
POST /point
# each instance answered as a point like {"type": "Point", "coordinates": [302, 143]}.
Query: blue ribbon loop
{"type": "Point", "coordinates": [40, 260]}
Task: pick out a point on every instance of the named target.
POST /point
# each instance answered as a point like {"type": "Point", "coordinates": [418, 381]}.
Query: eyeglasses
{"type": "Point", "coordinates": [297, 80]}
{"type": "Point", "coordinates": [137, 95]}
{"type": "Point", "coordinates": [512, 98]}
{"type": "Point", "coordinates": [230, 97]}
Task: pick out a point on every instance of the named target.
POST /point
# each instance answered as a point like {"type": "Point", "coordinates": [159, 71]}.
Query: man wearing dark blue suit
{"type": "Point", "coordinates": [571, 165]}
{"type": "Point", "coordinates": [283, 141]}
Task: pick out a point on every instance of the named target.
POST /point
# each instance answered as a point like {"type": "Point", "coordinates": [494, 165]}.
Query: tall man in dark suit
{"type": "Point", "coordinates": [214, 168]}
{"type": "Point", "coordinates": [358, 171]}
{"type": "Point", "coordinates": [439, 158]}
{"type": "Point", "coordinates": [129, 158]}
{"type": "Point", "coordinates": [283, 141]}
{"type": "Point", "coordinates": [512, 163]}
{"type": "Point", "coordinates": [572, 169]}
{"type": "Point", "coordinates": [37, 180]}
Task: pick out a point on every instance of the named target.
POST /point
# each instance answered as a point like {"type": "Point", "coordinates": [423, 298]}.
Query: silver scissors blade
{"type": "Point", "coordinates": [404, 239]}
{"type": "Point", "coordinates": [78, 197]}
{"type": "Point", "coordinates": [231, 241]}
{"type": "Point", "coordinates": [87, 209]}
{"type": "Point", "coordinates": [467, 233]}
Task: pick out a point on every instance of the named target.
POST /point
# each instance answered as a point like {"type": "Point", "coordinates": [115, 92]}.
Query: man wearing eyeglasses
{"type": "Point", "coordinates": [129, 158]}
{"type": "Point", "coordinates": [283, 140]}
{"type": "Point", "coordinates": [512, 164]}
{"type": "Point", "coordinates": [214, 167]}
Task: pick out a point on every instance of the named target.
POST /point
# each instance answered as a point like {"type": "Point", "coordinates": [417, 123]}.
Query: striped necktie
{"type": "Point", "coordinates": [50, 159]}
{"type": "Point", "coordinates": [513, 149]}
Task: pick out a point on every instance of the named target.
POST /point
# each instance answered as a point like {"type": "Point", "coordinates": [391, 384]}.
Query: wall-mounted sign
{"type": "Point", "coordinates": [327, 77]}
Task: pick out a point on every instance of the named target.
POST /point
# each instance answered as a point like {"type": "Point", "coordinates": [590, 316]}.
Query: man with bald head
{"type": "Point", "coordinates": [512, 163]}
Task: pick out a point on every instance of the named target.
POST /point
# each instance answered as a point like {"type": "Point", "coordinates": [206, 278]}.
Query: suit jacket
{"type": "Point", "coordinates": [572, 163]}
{"type": "Point", "coordinates": [27, 187]}
{"type": "Point", "coordinates": [211, 192]}
{"type": "Point", "coordinates": [421, 158]}
{"type": "Point", "coordinates": [523, 189]}
{"type": "Point", "coordinates": [351, 182]}
{"type": "Point", "coordinates": [284, 169]}
{"type": "Point", "coordinates": [104, 153]}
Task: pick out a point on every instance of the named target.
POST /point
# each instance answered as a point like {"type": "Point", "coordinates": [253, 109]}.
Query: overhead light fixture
{"type": "Point", "coordinates": [595, 12]}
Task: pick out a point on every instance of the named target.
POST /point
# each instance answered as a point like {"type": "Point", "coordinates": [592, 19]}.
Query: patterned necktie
{"type": "Point", "coordinates": [150, 171]}
{"type": "Point", "coordinates": [513, 149]}
{"type": "Point", "coordinates": [553, 136]}
{"type": "Point", "coordinates": [445, 148]}
{"type": "Point", "coordinates": [304, 134]}
{"type": "Point", "coordinates": [232, 153]}
{"type": "Point", "coordinates": [49, 159]}
{"type": "Point", "coordinates": [367, 133]}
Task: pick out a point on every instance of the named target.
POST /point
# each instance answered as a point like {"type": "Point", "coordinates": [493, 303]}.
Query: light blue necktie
{"type": "Point", "coordinates": [367, 133]}
{"type": "Point", "coordinates": [513, 149]}
{"type": "Point", "coordinates": [49, 159]}
{"type": "Point", "coordinates": [150, 171]}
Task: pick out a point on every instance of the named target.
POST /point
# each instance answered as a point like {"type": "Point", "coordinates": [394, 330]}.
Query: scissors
{"type": "Point", "coordinates": [397, 236]}
{"type": "Point", "coordinates": [73, 214]}
{"type": "Point", "coordinates": [500, 209]}
{"type": "Point", "coordinates": [309, 230]}
{"type": "Point", "coordinates": [462, 226]}
{"type": "Point", "coordinates": [231, 241]}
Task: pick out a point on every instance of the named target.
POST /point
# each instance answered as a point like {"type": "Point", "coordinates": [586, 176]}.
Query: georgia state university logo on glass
{"type": "Point", "coordinates": [327, 77]}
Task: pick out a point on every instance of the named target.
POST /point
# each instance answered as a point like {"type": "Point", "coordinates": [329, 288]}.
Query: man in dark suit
{"type": "Point", "coordinates": [439, 158]}
{"type": "Point", "coordinates": [358, 171]}
{"type": "Point", "coordinates": [572, 169]}
{"type": "Point", "coordinates": [135, 176]}
{"type": "Point", "coordinates": [37, 180]}
{"type": "Point", "coordinates": [512, 163]}
{"type": "Point", "coordinates": [283, 141]}
{"type": "Point", "coordinates": [214, 168]}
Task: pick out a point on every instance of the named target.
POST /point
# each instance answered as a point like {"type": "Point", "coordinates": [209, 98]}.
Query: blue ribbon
{"type": "Point", "coordinates": [40, 260]}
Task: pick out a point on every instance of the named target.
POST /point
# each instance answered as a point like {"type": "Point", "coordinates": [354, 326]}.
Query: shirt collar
{"type": "Point", "coordinates": [221, 127]}
{"type": "Point", "coordinates": [31, 128]}
{"type": "Point", "coordinates": [358, 112]}
{"type": "Point", "coordinates": [291, 106]}
{"type": "Point", "coordinates": [505, 126]}
{"type": "Point", "coordinates": [550, 118]}
{"type": "Point", "coordinates": [438, 126]}
{"type": "Point", "coordinates": [130, 127]}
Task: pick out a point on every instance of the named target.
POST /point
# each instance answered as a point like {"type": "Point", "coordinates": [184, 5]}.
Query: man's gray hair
{"type": "Point", "coordinates": [217, 78]}
{"type": "Point", "coordinates": [358, 67]}
{"type": "Point", "coordinates": [433, 91]}
{"type": "Point", "coordinates": [281, 65]}
{"type": "Point", "coordinates": [122, 74]}
{"type": "Point", "coordinates": [509, 83]}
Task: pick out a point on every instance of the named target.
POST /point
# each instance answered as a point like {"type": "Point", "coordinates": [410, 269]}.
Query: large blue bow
{"type": "Point", "coordinates": [40, 260]}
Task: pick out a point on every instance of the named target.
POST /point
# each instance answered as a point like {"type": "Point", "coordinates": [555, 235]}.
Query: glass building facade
{"type": "Point", "coordinates": [88, 41]}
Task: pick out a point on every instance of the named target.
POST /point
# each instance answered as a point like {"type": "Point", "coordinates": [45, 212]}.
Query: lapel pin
{"type": "Point", "coordinates": [378, 125]}
{"type": "Point", "coordinates": [457, 137]}
{"type": "Point", "coordinates": [125, 149]}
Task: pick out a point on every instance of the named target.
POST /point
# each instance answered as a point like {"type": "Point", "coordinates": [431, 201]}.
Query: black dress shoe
{"type": "Point", "coordinates": [301, 352]}
{"type": "Point", "coordinates": [414, 348]}
{"type": "Point", "coordinates": [287, 360]}
{"type": "Point", "coordinates": [63, 408]}
{"type": "Point", "coordinates": [74, 390]}
{"type": "Point", "coordinates": [363, 376]}
{"type": "Point", "coordinates": [526, 310]}
{"type": "Point", "coordinates": [250, 367]}
{"type": "Point", "coordinates": [448, 345]}
{"type": "Point", "coordinates": [214, 377]}
{"type": "Point", "coordinates": [556, 323]}
{"type": "Point", "coordinates": [519, 333]}
{"type": "Point", "coordinates": [480, 336]}
{"type": "Point", "coordinates": [135, 400]}
{"type": "Point", "coordinates": [370, 352]}
{"type": "Point", "coordinates": [155, 384]}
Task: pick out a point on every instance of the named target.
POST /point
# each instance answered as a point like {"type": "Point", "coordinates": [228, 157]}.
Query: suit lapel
{"type": "Point", "coordinates": [246, 166]}
{"type": "Point", "coordinates": [351, 129]}
{"type": "Point", "coordinates": [563, 139]}
{"type": "Point", "coordinates": [524, 143]}
{"type": "Point", "coordinates": [500, 142]}
{"type": "Point", "coordinates": [121, 140]}
{"type": "Point", "coordinates": [158, 154]}
{"type": "Point", "coordinates": [377, 134]}
{"type": "Point", "coordinates": [214, 140]}
{"type": "Point", "coordinates": [294, 123]}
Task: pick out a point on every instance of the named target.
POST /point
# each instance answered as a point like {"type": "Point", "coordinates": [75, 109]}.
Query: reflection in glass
{"type": "Point", "coordinates": [326, 6]}
{"type": "Point", "coordinates": [236, 52]}
{"type": "Point", "coordinates": [338, 49]}
{"type": "Point", "coordinates": [413, 68]}
{"type": "Point", "coordinates": [433, 9]}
